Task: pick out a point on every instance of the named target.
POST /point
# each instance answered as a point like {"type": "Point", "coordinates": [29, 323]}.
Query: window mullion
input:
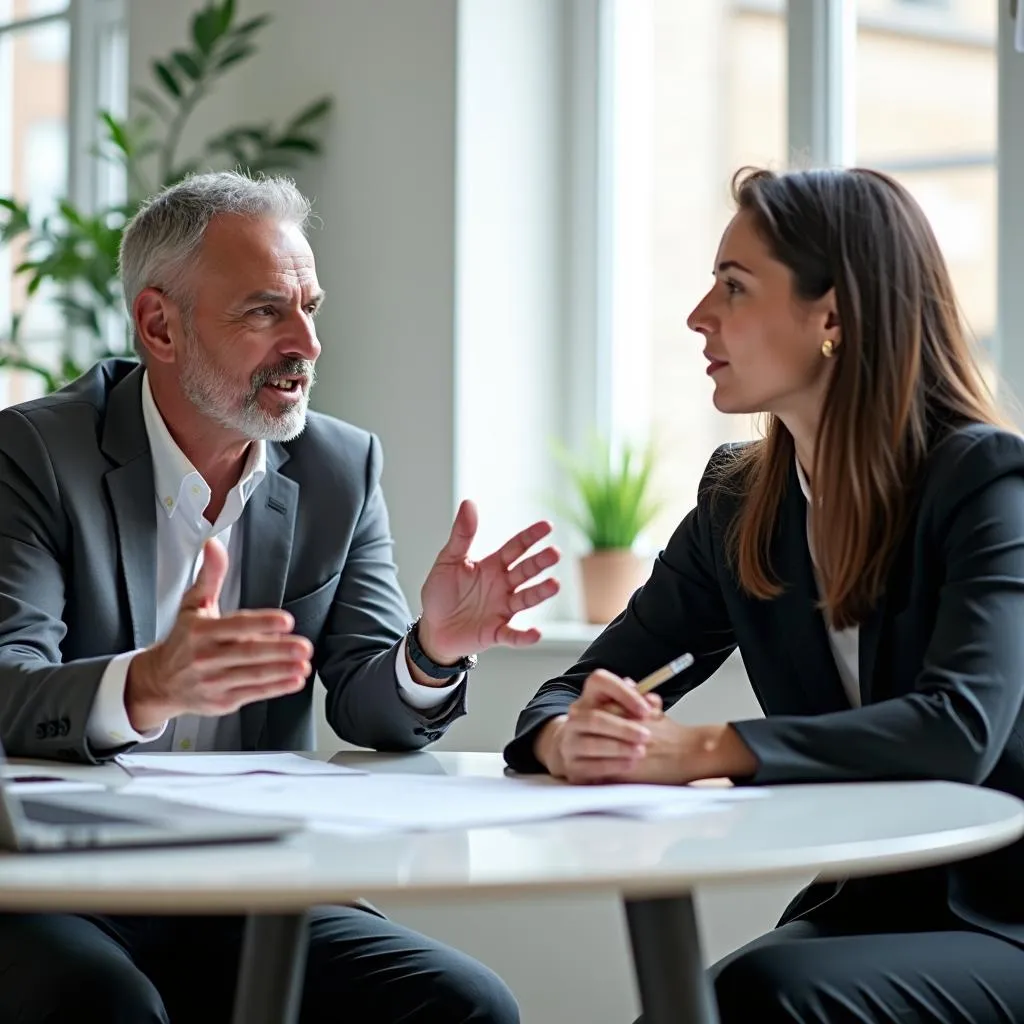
{"type": "Point", "coordinates": [821, 41]}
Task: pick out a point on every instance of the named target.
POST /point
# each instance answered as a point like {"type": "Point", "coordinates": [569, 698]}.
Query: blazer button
{"type": "Point", "coordinates": [65, 727]}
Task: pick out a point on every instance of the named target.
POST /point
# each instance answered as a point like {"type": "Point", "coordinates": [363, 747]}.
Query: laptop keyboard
{"type": "Point", "coordinates": [51, 814]}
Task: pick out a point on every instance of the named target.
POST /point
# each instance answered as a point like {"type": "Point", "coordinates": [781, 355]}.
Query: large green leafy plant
{"type": "Point", "coordinates": [613, 500]}
{"type": "Point", "coordinates": [76, 252]}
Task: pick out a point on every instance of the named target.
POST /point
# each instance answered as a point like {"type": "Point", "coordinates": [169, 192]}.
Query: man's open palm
{"type": "Point", "coordinates": [467, 605]}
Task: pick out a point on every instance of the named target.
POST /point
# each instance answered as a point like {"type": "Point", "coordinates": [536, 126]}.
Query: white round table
{"type": "Point", "coordinates": [833, 830]}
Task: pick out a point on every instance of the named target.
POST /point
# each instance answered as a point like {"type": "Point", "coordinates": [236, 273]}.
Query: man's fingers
{"type": "Point", "coordinates": [273, 673]}
{"type": "Point", "coordinates": [259, 650]}
{"type": "Point", "coordinates": [205, 592]}
{"type": "Point", "coordinates": [463, 531]}
{"type": "Point", "coordinates": [532, 566]}
{"type": "Point", "coordinates": [529, 596]}
{"type": "Point", "coordinates": [508, 636]}
{"type": "Point", "coordinates": [514, 549]}
{"type": "Point", "coordinates": [231, 700]}
{"type": "Point", "coordinates": [603, 687]}
{"type": "Point", "coordinates": [246, 623]}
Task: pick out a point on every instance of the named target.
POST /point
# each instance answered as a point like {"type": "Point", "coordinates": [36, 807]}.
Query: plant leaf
{"type": "Point", "coordinates": [188, 63]}
{"type": "Point", "coordinates": [614, 503]}
{"type": "Point", "coordinates": [206, 29]}
{"type": "Point", "coordinates": [226, 15]}
{"type": "Point", "coordinates": [314, 112]}
{"type": "Point", "coordinates": [118, 132]}
{"type": "Point", "coordinates": [78, 314]}
{"type": "Point", "coordinates": [249, 133]}
{"type": "Point", "coordinates": [252, 25]}
{"type": "Point", "coordinates": [163, 73]}
{"type": "Point", "coordinates": [70, 369]}
{"type": "Point", "coordinates": [297, 143]}
{"type": "Point", "coordinates": [151, 100]}
{"type": "Point", "coordinates": [17, 223]}
{"type": "Point", "coordinates": [269, 160]}
{"type": "Point", "coordinates": [234, 55]}
{"type": "Point", "coordinates": [69, 213]}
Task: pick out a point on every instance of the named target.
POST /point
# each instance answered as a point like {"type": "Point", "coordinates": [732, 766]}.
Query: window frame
{"type": "Point", "coordinates": [96, 80]}
{"type": "Point", "coordinates": [821, 40]}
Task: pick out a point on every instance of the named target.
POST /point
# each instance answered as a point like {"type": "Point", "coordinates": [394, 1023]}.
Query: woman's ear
{"type": "Point", "coordinates": [830, 316]}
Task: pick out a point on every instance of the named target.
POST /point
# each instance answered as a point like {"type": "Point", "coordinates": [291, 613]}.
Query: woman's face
{"type": "Point", "coordinates": [762, 343]}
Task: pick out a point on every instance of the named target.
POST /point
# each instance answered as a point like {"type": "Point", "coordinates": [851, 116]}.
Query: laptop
{"type": "Point", "coordinates": [108, 819]}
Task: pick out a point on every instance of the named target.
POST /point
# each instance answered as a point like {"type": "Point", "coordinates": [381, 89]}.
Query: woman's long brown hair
{"type": "Point", "coordinates": [903, 368]}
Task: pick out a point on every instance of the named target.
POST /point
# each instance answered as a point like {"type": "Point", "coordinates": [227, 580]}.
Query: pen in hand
{"type": "Point", "coordinates": [657, 677]}
{"type": "Point", "coordinates": [665, 673]}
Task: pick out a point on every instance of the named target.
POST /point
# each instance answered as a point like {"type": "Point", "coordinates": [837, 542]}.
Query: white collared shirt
{"type": "Point", "coordinates": [182, 496]}
{"type": "Point", "coordinates": [845, 643]}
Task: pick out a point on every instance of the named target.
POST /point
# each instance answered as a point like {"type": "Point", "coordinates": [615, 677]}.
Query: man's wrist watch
{"type": "Point", "coordinates": [429, 667]}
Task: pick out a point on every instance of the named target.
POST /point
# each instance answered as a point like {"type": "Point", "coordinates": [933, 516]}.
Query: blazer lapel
{"type": "Point", "coordinates": [799, 615]}
{"type": "Point", "coordinates": [269, 524]}
{"type": "Point", "coordinates": [132, 496]}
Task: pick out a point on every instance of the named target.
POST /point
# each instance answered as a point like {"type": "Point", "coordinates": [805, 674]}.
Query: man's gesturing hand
{"type": "Point", "coordinates": [211, 664]}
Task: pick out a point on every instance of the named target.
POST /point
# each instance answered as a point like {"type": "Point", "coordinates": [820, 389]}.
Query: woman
{"type": "Point", "coordinates": [867, 558]}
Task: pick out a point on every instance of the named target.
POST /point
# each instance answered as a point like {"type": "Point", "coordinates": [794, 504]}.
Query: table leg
{"type": "Point", "coordinates": [272, 969]}
{"type": "Point", "coordinates": [669, 967]}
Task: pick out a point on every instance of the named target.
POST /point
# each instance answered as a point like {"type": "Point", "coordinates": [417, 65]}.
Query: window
{"type": "Point", "coordinates": [33, 154]}
{"type": "Point", "coordinates": [926, 113]}
{"type": "Point", "coordinates": [699, 91]}
{"type": "Point", "coordinates": [49, 42]}
{"type": "Point", "coordinates": [42, 103]}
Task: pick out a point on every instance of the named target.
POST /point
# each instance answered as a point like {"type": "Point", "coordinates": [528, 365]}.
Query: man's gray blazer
{"type": "Point", "coordinates": [78, 572]}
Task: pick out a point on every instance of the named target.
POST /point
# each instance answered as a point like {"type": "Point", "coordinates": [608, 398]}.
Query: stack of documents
{"type": "Point", "coordinates": [364, 802]}
{"type": "Point", "coordinates": [172, 765]}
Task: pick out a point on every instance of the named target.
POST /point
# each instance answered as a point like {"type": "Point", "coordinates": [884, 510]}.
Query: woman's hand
{"type": "Point", "coordinates": [604, 734]}
{"type": "Point", "coordinates": [614, 734]}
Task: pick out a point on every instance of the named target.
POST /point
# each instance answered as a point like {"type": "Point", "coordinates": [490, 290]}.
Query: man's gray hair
{"type": "Point", "coordinates": [161, 241]}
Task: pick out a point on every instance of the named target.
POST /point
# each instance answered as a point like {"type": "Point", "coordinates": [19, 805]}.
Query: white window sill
{"type": "Point", "coordinates": [565, 634]}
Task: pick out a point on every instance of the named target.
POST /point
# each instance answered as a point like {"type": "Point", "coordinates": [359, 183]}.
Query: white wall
{"type": "Point", "coordinates": [408, 250]}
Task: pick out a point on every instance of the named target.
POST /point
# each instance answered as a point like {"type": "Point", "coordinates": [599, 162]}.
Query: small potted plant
{"type": "Point", "coordinates": [613, 507]}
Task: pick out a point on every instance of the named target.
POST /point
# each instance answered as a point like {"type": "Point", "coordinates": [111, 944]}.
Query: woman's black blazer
{"type": "Point", "coordinates": [941, 655]}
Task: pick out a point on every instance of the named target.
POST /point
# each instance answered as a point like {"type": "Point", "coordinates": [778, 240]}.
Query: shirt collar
{"type": "Point", "coordinates": [805, 484]}
{"type": "Point", "coordinates": [175, 478]}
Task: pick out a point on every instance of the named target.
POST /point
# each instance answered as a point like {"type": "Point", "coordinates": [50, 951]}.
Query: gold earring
{"type": "Point", "coordinates": [828, 348]}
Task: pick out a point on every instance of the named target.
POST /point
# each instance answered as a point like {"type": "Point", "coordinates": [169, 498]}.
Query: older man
{"type": "Point", "coordinates": [181, 546]}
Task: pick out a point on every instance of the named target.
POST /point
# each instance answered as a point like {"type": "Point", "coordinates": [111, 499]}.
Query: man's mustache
{"type": "Point", "coordinates": [286, 368]}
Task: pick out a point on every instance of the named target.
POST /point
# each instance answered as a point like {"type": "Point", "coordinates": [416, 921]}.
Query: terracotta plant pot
{"type": "Point", "coordinates": [609, 579]}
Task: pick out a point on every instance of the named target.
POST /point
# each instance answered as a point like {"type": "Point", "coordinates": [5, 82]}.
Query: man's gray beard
{"type": "Point", "coordinates": [214, 394]}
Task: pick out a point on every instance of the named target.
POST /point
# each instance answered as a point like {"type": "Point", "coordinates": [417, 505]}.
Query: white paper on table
{"type": "Point", "coordinates": [219, 765]}
{"type": "Point", "coordinates": [17, 788]}
{"type": "Point", "coordinates": [413, 803]}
